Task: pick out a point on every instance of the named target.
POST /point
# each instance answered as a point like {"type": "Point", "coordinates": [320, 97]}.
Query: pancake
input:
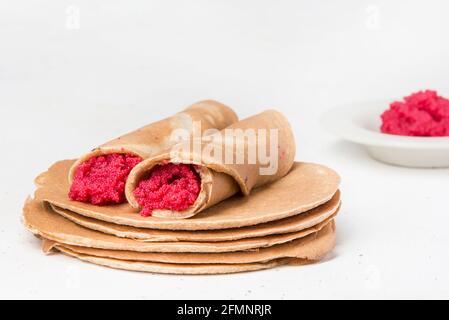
{"type": "Point", "coordinates": [287, 225]}
{"type": "Point", "coordinates": [312, 247]}
{"type": "Point", "coordinates": [43, 221]}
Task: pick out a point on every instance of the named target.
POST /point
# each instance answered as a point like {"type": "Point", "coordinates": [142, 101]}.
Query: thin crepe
{"type": "Point", "coordinates": [157, 137]}
{"type": "Point", "coordinates": [226, 163]}
{"type": "Point", "coordinates": [307, 186]}
{"type": "Point", "coordinates": [312, 247]}
{"type": "Point", "coordinates": [287, 225]}
{"type": "Point", "coordinates": [41, 220]}
{"type": "Point", "coordinates": [185, 269]}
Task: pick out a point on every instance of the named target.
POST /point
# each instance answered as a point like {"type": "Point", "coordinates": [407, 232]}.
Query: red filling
{"type": "Point", "coordinates": [170, 186]}
{"type": "Point", "coordinates": [421, 114]}
{"type": "Point", "coordinates": [101, 180]}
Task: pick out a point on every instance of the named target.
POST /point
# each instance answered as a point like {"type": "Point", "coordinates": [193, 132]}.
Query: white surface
{"type": "Point", "coordinates": [64, 90]}
{"type": "Point", "coordinates": [360, 123]}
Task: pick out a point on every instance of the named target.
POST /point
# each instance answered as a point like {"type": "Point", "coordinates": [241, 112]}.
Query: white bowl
{"type": "Point", "coordinates": [360, 123]}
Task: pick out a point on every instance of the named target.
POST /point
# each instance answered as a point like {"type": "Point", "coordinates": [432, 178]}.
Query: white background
{"type": "Point", "coordinates": [74, 74]}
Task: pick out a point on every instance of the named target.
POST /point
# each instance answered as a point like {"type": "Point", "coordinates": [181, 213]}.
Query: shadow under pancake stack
{"type": "Point", "coordinates": [238, 220]}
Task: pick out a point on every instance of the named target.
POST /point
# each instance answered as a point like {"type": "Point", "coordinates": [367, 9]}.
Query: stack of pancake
{"type": "Point", "coordinates": [287, 221]}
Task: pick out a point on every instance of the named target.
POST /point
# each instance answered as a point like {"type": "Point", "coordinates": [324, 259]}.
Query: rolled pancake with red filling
{"type": "Point", "coordinates": [99, 176]}
{"type": "Point", "coordinates": [213, 168]}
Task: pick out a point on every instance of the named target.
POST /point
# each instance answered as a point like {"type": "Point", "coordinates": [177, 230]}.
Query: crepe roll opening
{"type": "Point", "coordinates": [168, 186]}
{"type": "Point", "coordinates": [100, 178]}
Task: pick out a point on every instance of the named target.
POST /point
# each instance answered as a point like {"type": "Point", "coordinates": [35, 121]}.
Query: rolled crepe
{"type": "Point", "coordinates": [225, 161]}
{"type": "Point", "coordinates": [158, 136]}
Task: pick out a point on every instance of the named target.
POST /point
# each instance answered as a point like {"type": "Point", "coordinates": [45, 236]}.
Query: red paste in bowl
{"type": "Point", "coordinates": [424, 113]}
{"type": "Point", "coordinates": [101, 180]}
{"type": "Point", "coordinates": [170, 186]}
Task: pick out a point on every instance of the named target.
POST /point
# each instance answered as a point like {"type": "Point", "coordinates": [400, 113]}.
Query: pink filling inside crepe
{"type": "Point", "coordinates": [101, 180]}
{"type": "Point", "coordinates": [170, 186]}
